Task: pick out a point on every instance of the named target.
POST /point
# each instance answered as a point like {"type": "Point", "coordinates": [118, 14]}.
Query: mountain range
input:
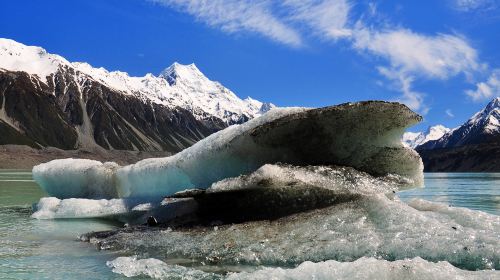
{"type": "Point", "coordinates": [53, 106]}
{"type": "Point", "coordinates": [473, 146]}
{"type": "Point", "coordinates": [47, 101]}
{"type": "Point", "coordinates": [415, 139]}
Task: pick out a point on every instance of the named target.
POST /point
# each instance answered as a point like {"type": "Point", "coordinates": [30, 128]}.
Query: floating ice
{"type": "Point", "coordinates": [65, 178]}
{"type": "Point", "coordinates": [54, 208]}
{"type": "Point", "coordinates": [371, 226]}
{"type": "Point", "coordinates": [364, 135]}
{"type": "Point", "coordinates": [368, 268]}
{"type": "Point", "coordinates": [363, 268]}
{"type": "Point", "coordinates": [156, 269]}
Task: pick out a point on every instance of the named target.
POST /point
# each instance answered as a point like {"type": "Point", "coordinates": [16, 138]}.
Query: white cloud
{"type": "Point", "coordinates": [235, 16]}
{"type": "Point", "coordinates": [411, 55]}
{"type": "Point", "coordinates": [439, 56]}
{"type": "Point", "coordinates": [327, 19]}
{"type": "Point", "coordinates": [488, 89]}
{"type": "Point", "coordinates": [449, 113]}
{"type": "Point", "coordinates": [405, 55]}
{"type": "Point", "coordinates": [282, 21]}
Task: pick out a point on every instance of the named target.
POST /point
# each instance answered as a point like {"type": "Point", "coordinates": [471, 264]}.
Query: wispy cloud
{"type": "Point", "coordinates": [439, 56]}
{"type": "Point", "coordinates": [488, 89]}
{"type": "Point", "coordinates": [327, 19]}
{"type": "Point", "coordinates": [410, 55]}
{"type": "Point", "coordinates": [237, 16]}
{"type": "Point", "coordinates": [449, 113]}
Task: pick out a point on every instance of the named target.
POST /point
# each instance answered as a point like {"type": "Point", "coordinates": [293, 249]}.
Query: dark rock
{"type": "Point", "coordinates": [152, 222]}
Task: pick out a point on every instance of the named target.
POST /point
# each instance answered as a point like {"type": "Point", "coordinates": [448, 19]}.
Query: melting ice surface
{"type": "Point", "coordinates": [288, 158]}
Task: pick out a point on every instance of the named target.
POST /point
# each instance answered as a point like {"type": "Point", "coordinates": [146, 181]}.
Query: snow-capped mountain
{"type": "Point", "coordinates": [49, 101]}
{"type": "Point", "coordinates": [483, 127]}
{"type": "Point", "coordinates": [415, 139]}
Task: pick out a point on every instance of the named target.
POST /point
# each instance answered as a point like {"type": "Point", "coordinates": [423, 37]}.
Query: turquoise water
{"type": "Point", "coordinates": [50, 249]}
{"type": "Point", "coordinates": [44, 249]}
{"type": "Point", "coordinates": [478, 191]}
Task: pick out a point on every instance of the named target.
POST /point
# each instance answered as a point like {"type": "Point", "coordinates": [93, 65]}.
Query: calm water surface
{"type": "Point", "coordinates": [478, 191]}
{"type": "Point", "coordinates": [49, 249]}
{"type": "Point", "coordinates": [44, 249]}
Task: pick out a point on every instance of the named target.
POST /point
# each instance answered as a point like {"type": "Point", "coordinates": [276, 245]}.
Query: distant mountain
{"type": "Point", "coordinates": [415, 139]}
{"type": "Point", "coordinates": [48, 101]}
{"type": "Point", "coordinates": [474, 146]}
{"type": "Point", "coordinates": [481, 128]}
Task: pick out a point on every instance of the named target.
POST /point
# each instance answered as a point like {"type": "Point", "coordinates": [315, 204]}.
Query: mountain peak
{"type": "Point", "coordinates": [179, 85]}
{"type": "Point", "coordinates": [15, 56]}
{"type": "Point", "coordinates": [415, 139]}
{"type": "Point", "coordinates": [494, 104]}
{"type": "Point", "coordinates": [489, 115]}
{"type": "Point", "coordinates": [178, 71]}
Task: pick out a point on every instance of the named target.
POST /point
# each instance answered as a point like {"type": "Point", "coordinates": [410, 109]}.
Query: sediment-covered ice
{"type": "Point", "coordinates": [340, 179]}
{"type": "Point", "coordinates": [364, 135]}
{"type": "Point", "coordinates": [363, 268]}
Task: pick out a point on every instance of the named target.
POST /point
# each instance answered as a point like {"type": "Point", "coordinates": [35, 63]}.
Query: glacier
{"type": "Point", "coordinates": [362, 135]}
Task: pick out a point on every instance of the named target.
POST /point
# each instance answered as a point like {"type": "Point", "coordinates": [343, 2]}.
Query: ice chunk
{"type": "Point", "coordinates": [363, 268]}
{"type": "Point", "coordinates": [362, 135]}
{"type": "Point", "coordinates": [372, 226]}
{"type": "Point", "coordinates": [339, 179]}
{"type": "Point", "coordinates": [54, 208]}
{"type": "Point", "coordinates": [86, 178]}
{"type": "Point", "coordinates": [156, 269]}
{"type": "Point", "coordinates": [274, 190]}
{"type": "Point", "coordinates": [369, 268]}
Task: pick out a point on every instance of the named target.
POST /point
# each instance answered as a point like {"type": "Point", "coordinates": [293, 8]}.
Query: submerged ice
{"type": "Point", "coordinates": [362, 135]}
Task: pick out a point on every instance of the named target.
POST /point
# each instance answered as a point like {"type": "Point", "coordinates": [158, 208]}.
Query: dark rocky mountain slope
{"type": "Point", "coordinates": [472, 147]}
{"type": "Point", "coordinates": [47, 101]}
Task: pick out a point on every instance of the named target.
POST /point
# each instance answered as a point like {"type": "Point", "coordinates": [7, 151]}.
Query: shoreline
{"type": "Point", "coordinates": [25, 157]}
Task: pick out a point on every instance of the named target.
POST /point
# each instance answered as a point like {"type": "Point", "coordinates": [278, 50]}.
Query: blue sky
{"type": "Point", "coordinates": [441, 58]}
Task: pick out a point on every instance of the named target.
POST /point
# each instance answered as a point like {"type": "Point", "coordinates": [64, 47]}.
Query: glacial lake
{"type": "Point", "coordinates": [50, 249]}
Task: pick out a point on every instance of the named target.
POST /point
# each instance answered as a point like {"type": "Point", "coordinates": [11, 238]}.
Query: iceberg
{"type": "Point", "coordinates": [363, 135]}
{"type": "Point", "coordinates": [294, 192]}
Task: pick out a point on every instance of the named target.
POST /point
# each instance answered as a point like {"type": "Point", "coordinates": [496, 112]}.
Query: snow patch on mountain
{"type": "Point", "coordinates": [488, 118]}
{"type": "Point", "coordinates": [178, 85]}
{"type": "Point", "coordinates": [484, 126]}
{"type": "Point", "coordinates": [30, 59]}
{"type": "Point", "coordinates": [415, 139]}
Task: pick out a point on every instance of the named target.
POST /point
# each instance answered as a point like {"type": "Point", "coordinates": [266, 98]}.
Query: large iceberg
{"type": "Point", "coordinates": [295, 192]}
{"type": "Point", "coordinates": [362, 135]}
